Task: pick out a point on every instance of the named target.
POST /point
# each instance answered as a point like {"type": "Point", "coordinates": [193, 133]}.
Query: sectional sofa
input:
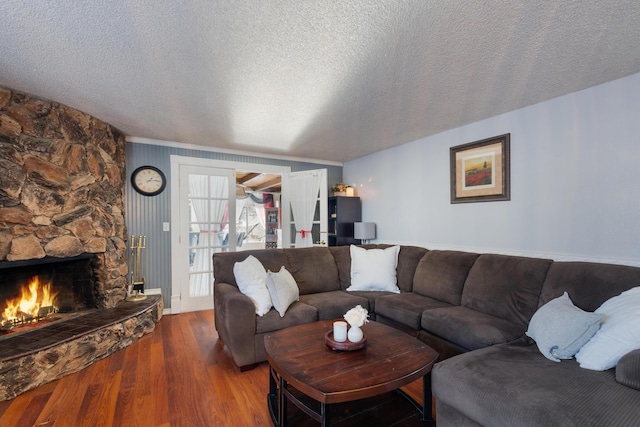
{"type": "Point", "coordinates": [474, 309]}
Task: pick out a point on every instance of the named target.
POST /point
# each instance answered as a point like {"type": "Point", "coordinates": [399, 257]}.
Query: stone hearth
{"type": "Point", "coordinates": [29, 360]}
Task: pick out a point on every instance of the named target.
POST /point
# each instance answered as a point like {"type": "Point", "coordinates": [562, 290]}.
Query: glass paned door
{"type": "Point", "coordinates": [206, 228]}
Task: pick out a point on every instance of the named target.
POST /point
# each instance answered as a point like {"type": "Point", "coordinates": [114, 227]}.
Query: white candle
{"type": "Point", "coordinates": [340, 331]}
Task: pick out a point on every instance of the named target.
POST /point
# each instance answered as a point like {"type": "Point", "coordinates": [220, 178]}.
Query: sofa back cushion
{"type": "Point", "coordinates": [441, 275]}
{"type": "Point", "coordinates": [223, 263]}
{"type": "Point", "coordinates": [588, 284]}
{"type": "Point", "coordinates": [507, 287]}
{"type": "Point", "coordinates": [408, 260]}
{"type": "Point", "coordinates": [314, 269]}
{"type": "Point", "coordinates": [342, 258]}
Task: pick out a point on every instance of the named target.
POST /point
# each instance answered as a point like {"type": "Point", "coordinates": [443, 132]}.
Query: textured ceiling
{"type": "Point", "coordinates": [332, 80]}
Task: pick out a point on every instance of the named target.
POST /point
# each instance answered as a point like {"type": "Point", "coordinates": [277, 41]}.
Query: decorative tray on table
{"type": "Point", "coordinates": [345, 345]}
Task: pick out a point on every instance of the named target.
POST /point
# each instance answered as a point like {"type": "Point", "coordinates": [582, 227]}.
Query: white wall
{"type": "Point", "coordinates": [575, 183]}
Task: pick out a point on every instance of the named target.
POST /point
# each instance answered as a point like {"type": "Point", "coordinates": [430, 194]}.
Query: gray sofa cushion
{"type": "Point", "coordinates": [468, 328]}
{"type": "Point", "coordinates": [342, 257]}
{"type": "Point", "coordinates": [588, 284]}
{"type": "Point", "coordinates": [314, 269]}
{"type": "Point", "coordinates": [628, 370]}
{"type": "Point", "coordinates": [408, 259]}
{"type": "Point", "coordinates": [441, 275]}
{"type": "Point", "coordinates": [406, 308]}
{"type": "Point", "coordinates": [333, 305]}
{"type": "Point", "coordinates": [297, 314]}
{"type": "Point", "coordinates": [372, 297]}
{"type": "Point", "coordinates": [515, 385]}
{"type": "Point", "coordinates": [507, 287]}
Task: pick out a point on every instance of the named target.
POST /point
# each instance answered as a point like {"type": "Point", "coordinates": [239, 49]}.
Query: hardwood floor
{"type": "Point", "coordinates": [179, 375]}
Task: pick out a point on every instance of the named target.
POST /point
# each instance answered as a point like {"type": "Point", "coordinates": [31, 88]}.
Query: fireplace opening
{"type": "Point", "coordinates": [37, 292]}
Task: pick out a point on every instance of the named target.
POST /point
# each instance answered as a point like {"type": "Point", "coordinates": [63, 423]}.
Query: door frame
{"type": "Point", "coordinates": [176, 162]}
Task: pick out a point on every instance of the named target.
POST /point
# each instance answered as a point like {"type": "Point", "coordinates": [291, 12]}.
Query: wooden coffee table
{"type": "Point", "coordinates": [300, 360]}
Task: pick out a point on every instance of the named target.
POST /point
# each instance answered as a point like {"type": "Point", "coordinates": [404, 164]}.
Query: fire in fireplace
{"type": "Point", "coordinates": [35, 303]}
{"type": "Point", "coordinates": [35, 292]}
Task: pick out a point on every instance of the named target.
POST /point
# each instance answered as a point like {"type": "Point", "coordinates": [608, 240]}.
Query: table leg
{"type": "Point", "coordinates": [325, 415]}
{"type": "Point", "coordinates": [427, 399]}
{"type": "Point", "coordinates": [273, 399]}
{"type": "Point", "coordinates": [282, 404]}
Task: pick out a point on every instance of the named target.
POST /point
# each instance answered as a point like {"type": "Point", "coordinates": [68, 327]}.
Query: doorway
{"type": "Point", "coordinates": [203, 222]}
{"type": "Point", "coordinates": [206, 212]}
{"type": "Point", "coordinates": [258, 200]}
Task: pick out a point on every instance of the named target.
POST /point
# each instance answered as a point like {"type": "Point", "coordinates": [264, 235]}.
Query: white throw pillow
{"type": "Point", "coordinates": [251, 279]}
{"type": "Point", "coordinates": [374, 269]}
{"type": "Point", "coordinates": [560, 329]}
{"type": "Point", "coordinates": [283, 290]}
{"type": "Point", "coordinates": [619, 332]}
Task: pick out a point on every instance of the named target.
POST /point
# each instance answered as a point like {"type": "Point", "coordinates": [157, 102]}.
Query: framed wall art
{"type": "Point", "coordinates": [480, 171]}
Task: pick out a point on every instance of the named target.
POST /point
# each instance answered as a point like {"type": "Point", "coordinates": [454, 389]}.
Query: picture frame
{"type": "Point", "coordinates": [481, 171]}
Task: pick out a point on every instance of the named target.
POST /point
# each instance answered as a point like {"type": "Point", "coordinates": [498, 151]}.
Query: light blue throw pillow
{"type": "Point", "coordinates": [560, 329]}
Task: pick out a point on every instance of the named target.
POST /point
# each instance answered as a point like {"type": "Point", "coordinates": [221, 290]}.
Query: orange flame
{"type": "Point", "coordinates": [33, 297]}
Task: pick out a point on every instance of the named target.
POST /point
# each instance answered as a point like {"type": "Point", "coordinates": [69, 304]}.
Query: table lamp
{"type": "Point", "coordinates": [364, 231]}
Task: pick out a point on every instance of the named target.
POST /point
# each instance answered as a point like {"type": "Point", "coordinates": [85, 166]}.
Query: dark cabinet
{"type": "Point", "coordinates": [343, 212]}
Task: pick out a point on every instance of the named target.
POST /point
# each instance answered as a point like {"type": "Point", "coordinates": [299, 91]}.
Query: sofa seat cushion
{"type": "Point", "coordinates": [628, 370]}
{"type": "Point", "coordinates": [333, 305]}
{"type": "Point", "coordinates": [371, 297]}
{"type": "Point", "coordinates": [468, 328]}
{"type": "Point", "coordinates": [406, 308]}
{"type": "Point", "coordinates": [515, 385]}
{"type": "Point", "coordinates": [297, 314]}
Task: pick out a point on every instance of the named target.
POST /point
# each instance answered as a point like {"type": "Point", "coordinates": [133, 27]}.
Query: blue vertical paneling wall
{"type": "Point", "coordinates": [145, 215]}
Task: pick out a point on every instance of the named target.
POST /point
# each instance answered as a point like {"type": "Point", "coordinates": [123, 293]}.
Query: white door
{"type": "Point", "coordinates": [206, 203]}
{"type": "Point", "coordinates": [318, 229]}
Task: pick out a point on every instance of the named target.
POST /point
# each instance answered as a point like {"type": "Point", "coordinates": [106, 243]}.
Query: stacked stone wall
{"type": "Point", "coordinates": [62, 180]}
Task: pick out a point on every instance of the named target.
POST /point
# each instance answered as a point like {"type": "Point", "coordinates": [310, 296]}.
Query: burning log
{"type": "Point", "coordinates": [35, 302]}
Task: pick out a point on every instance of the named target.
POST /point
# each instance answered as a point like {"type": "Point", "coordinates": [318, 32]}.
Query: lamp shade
{"type": "Point", "coordinates": [364, 230]}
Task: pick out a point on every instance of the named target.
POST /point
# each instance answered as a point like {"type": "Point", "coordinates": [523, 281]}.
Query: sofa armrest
{"type": "Point", "coordinates": [235, 321]}
{"type": "Point", "coordinates": [628, 370]}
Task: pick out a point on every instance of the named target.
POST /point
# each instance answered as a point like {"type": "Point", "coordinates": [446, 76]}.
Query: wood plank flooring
{"type": "Point", "coordinates": [179, 375]}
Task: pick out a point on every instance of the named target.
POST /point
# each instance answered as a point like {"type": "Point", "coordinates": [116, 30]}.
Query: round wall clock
{"type": "Point", "coordinates": [148, 180]}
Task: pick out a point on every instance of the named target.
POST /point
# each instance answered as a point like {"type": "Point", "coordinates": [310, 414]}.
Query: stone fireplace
{"type": "Point", "coordinates": [62, 188]}
{"type": "Point", "coordinates": [62, 197]}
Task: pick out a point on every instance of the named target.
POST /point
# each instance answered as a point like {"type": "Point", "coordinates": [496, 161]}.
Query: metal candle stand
{"type": "Point", "coordinates": [135, 291]}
